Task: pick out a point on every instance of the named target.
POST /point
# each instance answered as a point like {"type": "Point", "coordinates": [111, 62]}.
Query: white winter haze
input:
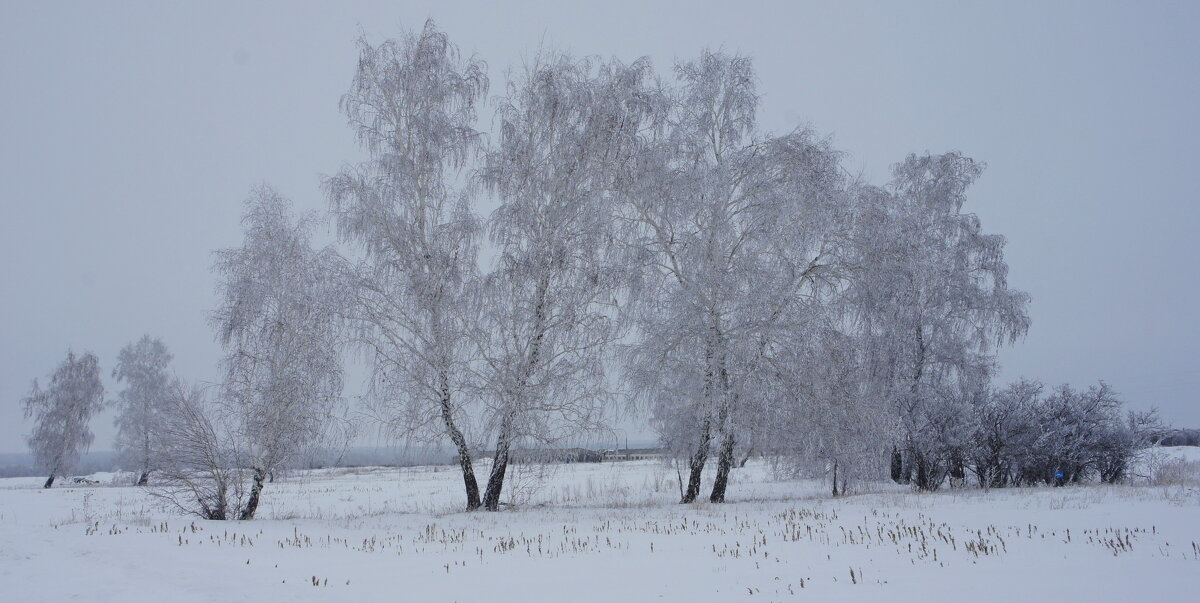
{"type": "Point", "coordinates": [131, 133]}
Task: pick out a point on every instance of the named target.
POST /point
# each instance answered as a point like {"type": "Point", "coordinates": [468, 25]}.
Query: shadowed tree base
{"type": "Point", "coordinates": [491, 497]}
{"type": "Point", "coordinates": [696, 463]}
{"type": "Point", "coordinates": [255, 492]}
{"type": "Point", "coordinates": [724, 464]}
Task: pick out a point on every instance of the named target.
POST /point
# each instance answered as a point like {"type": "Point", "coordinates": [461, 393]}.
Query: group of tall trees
{"type": "Point", "coordinates": [649, 244]}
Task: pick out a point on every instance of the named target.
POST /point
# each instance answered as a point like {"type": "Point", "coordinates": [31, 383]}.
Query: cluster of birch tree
{"type": "Point", "coordinates": [62, 412]}
{"type": "Point", "coordinates": [649, 249]}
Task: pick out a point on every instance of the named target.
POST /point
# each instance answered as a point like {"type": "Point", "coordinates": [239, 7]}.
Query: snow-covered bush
{"type": "Point", "coordinates": [1176, 472]}
{"type": "Point", "coordinates": [1023, 437]}
{"type": "Point", "coordinates": [1004, 429]}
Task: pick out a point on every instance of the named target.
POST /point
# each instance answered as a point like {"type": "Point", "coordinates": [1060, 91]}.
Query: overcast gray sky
{"type": "Point", "coordinates": [130, 134]}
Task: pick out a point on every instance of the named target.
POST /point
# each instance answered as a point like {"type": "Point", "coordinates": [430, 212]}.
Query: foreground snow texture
{"type": "Point", "coordinates": [602, 532]}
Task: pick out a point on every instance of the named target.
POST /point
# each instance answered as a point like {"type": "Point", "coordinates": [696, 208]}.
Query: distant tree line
{"type": "Point", "coordinates": [1019, 435]}
{"type": "Point", "coordinates": [1177, 437]}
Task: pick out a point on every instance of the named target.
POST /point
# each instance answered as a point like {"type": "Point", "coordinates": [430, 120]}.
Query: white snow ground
{"type": "Point", "coordinates": [603, 532]}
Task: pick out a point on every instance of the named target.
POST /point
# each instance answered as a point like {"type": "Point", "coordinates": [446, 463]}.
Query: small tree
{"type": "Point", "coordinates": [61, 414]}
{"type": "Point", "coordinates": [821, 418]}
{"type": "Point", "coordinates": [142, 366]}
{"type": "Point", "coordinates": [279, 321]}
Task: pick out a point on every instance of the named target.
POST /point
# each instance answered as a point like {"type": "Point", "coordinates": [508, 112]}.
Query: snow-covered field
{"type": "Point", "coordinates": [602, 532]}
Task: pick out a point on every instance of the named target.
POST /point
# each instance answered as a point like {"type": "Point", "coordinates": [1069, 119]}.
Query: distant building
{"type": "Point", "coordinates": [632, 454]}
{"type": "Point", "coordinates": [549, 455]}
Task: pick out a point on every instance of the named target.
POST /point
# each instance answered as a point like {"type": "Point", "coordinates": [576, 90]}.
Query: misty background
{"type": "Point", "coordinates": [130, 134]}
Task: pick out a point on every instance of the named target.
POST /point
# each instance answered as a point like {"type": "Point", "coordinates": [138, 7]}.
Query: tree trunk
{"type": "Point", "coordinates": [922, 473]}
{"type": "Point", "coordinates": [1000, 476]}
{"type": "Point", "coordinates": [495, 485]}
{"type": "Point", "coordinates": [491, 497]}
{"type": "Point", "coordinates": [914, 459]}
{"type": "Point", "coordinates": [897, 466]}
{"type": "Point", "coordinates": [49, 481]}
{"type": "Point", "coordinates": [469, 482]}
{"type": "Point", "coordinates": [958, 471]}
{"type": "Point", "coordinates": [696, 463]}
{"type": "Point", "coordinates": [930, 472]}
{"type": "Point", "coordinates": [724, 463]}
{"type": "Point", "coordinates": [908, 463]}
{"type": "Point", "coordinates": [219, 510]}
{"type": "Point", "coordinates": [745, 458]}
{"type": "Point", "coordinates": [460, 443]}
{"type": "Point", "coordinates": [700, 456]}
{"type": "Point", "coordinates": [835, 488]}
{"type": "Point", "coordinates": [255, 491]}
{"type": "Point", "coordinates": [725, 424]}
{"type": "Point", "coordinates": [144, 478]}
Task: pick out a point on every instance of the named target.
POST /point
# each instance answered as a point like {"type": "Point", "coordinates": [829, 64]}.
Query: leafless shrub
{"type": "Point", "coordinates": [199, 474]}
{"type": "Point", "coordinates": [1176, 472]}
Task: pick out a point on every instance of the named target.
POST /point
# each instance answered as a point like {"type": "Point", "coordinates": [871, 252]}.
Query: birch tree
{"type": "Point", "coordinates": [736, 238]}
{"type": "Point", "coordinates": [62, 412]}
{"type": "Point", "coordinates": [821, 415]}
{"type": "Point", "coordinates": [413, 107]}
{"type": "Point", "coordinates": [142, 367]}
{"type": "Point", "coordinates": [279, 323]}
{"type": "Point", "coordinates": [568, 128]}
{"type": "Point", "coordinates": [932, 291]}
